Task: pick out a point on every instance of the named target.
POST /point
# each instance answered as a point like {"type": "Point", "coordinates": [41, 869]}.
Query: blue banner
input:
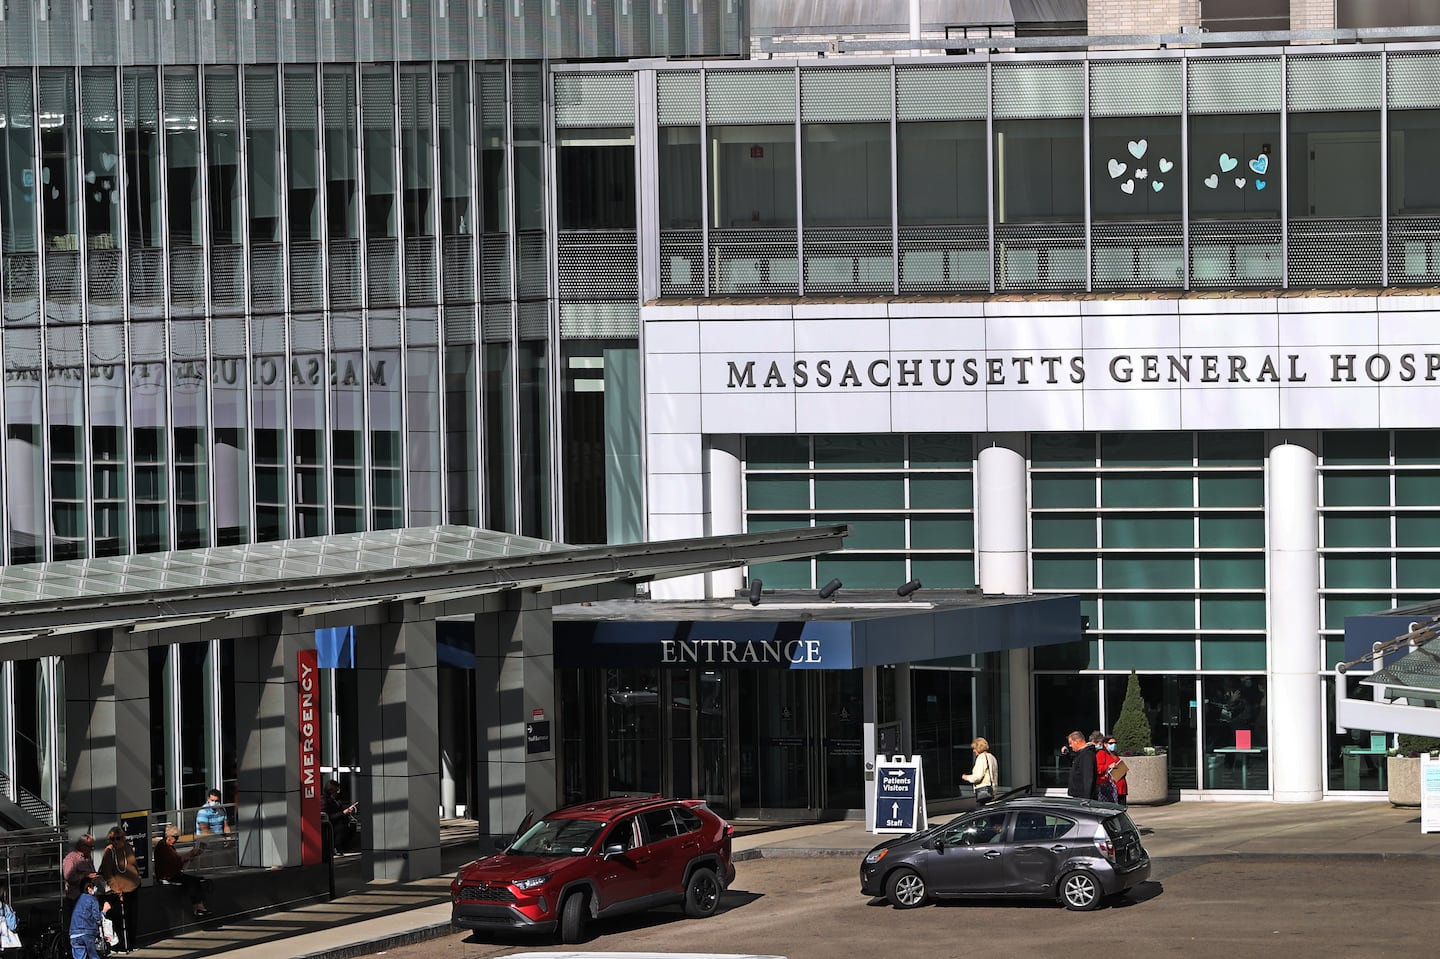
{"type": "Point", "coordinates": [336, 647]}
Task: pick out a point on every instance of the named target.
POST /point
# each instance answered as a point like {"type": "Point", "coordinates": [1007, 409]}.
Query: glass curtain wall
{"type": "Point", "coordinates": [224, 183]}
{"type": "Point", "coordinates": [184, 190]}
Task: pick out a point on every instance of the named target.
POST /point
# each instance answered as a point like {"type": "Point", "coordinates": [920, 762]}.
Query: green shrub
{"type": "Point", "coordinates": [1415, 745]}
{"type": "Point", "coordinates": [1132, 727]}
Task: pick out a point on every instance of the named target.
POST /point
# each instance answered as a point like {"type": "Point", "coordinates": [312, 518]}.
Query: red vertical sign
{"type": "Point", "coordinates": [309, 689]}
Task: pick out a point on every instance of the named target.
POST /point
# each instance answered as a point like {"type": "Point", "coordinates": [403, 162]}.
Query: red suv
{"type": "Point", "coordinates": [595, 860]}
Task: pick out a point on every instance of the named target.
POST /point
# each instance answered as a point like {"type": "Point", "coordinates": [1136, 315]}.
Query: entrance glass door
{"type": "Point", "coordinates": [777, 742]}
{"type": "Point", "coordinates": [843, 743]}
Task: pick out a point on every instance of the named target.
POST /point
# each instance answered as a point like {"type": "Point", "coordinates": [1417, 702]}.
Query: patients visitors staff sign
{"type": "Point", "coordinates": [308, 675]}
{"type": "Point", "coordinates": [899, 796]}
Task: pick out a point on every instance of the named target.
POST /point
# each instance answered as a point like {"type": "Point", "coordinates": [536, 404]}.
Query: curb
{"type": "Point", "coordinates": [370, 947]}
{"type": "Point", "coordinates": [784, 852]}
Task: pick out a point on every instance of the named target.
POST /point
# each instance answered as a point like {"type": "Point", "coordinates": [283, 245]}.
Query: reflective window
{"type": "Point", "coordinates": [184, 184]}
{"type": "Point", "coordinates": [303, 204]}
{"type": "Point", "coordinates": [262, 148]}
{"type": "Point", "coordinates": [145, 218]}
{"type": "Point", "coordinates": [104, 235]}
{"type": "Point", "coordinates": [223, 181]}
{"type": "Point", "coordinates": [18, 210]}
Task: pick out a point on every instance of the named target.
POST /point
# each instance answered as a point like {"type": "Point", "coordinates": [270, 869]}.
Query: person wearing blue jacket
{"type": "Point", "coordinates": [85, 924]}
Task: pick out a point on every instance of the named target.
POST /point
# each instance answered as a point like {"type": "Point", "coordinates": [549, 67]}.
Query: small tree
{"type": "Point", "coordinates": [1415, 745]}
{"type": "Point", "coordinates": [1132, 727]}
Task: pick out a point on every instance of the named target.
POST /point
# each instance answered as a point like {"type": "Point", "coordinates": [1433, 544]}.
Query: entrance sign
{"type": "Point", "coordinates": [899, 796]}
{"type": "Point", "coordinates": [1429, 794]}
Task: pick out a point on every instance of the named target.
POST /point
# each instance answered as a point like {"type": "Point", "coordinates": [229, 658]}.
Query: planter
{"type": "Point", "coordinates": [1148, 779]}
{"type": "Point", "coordinates": [1402, 773]}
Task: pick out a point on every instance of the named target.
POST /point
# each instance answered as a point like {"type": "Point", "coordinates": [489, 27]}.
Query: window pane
{"type": "Point", "coordinates": [1232, 490]}
{"type": "Point", "coordinates": [840, 452]}
{"type": "Point", "coordinates": [1232, 652]}
{"type": "Point", "coordinates": [1155, 612]}
{"type": "Point", "coordinates": [1157, 490]}
{"type": "Point", "coordinates": [941, 492]}
{"type": "Point", "coordinates": [1149, 573]}
{"type": "Point", "coordinates": [1232, 612]}
{"type": "Point", "coordinates": [1052, 573]}
{"type": "Point", "coordinates": [1168, 652]}
{"type": "Point", "coordinates": [1049, 491]}
{"type": "Point", "coordinates": [941, 533]}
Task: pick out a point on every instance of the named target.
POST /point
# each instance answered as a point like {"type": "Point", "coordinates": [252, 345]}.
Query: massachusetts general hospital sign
{"type": "Point", "coordinates": [1352, 362]}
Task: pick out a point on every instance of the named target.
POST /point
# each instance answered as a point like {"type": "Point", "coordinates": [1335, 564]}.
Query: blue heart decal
{"type": "Point", "coordinates": [1260, 164]}
{"type": "Point", "coordinates": [1228, 163]}
{"type": "Point", "coordinates": [1259, 184]}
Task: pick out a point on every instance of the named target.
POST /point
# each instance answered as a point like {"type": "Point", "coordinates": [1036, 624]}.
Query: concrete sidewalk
{"type": "Point", "coordinates": [386, 915]}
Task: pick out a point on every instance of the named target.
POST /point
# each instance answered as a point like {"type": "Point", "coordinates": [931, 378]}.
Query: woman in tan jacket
{"type": "Point", "coordinates": [123, 877]}
{"type": "Point", "coordinates": [985, 776]}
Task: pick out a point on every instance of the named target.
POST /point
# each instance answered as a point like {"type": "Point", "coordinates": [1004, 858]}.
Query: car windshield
{"type": "Point", "coordinates": [1119, 825]}
{"type": "Point", "coordinates": [558, 837]}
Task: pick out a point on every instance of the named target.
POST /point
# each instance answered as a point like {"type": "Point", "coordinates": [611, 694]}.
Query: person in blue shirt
{"type": "Point", "coordinates": [212, 819]}
{"type": "Point", "coordinates": [85, 924]}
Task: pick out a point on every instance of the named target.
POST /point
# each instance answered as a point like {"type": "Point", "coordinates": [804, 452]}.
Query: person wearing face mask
{"type": "Point", "coordinates": [1108, 789]}
{"type": "Point", "coordinates": [85, 923]}
{"type": "Point", "coordinates": [212, 819]}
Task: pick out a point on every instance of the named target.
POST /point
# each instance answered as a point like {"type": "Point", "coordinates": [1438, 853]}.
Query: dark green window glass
{"type": "Point", "coordinates": [1063, 449]}
{"type": "Point", "coordinates": [765, 524]}
{"type": "Point", "coordinates": [1149, 612]}
{"type": "Point", "coordinates": [938, 572]}
{"type": "Point", "coordinates": [1149, 573]}
{"type": "Point", "coordinates": [1058, 491]}
{"type": "Point", "coordinates": [859, 492]}
{"type": "Point", "coordinates": [1347, 529]}
{"type": "Point", "coordinates": [850, 452]}
{"type": "Point", "coordinates": [949, 532]}
{"type": "Point", "coordinates": [858, 571]}
{"type": "Point", "coordinates": [1417, 447]}
{"type": "Point", "coordinates": [1167, 652]}
{"type": "Point", "coordinates": [1154, 490]}
{"type": "Point", "coordinates": [929, 450]}
{"type": "Point", "coordinates": [952, 491]}
{"type": "Point", "coordinates": [1417, 572]}
{"type": "Point", "coordinates": [1146, 449]}
{"type": "Point", "coordinates": [1147, 532]}
{"type": "Point", "coordinates": [1418, 530]}
{"type": "Point", "coordinates": [777, 492]}
{"type": "Point", "coordinates": [1232, 652]}
{"type": "Point", "coordinates": [1354, 446]}
{"type": "Point", "coordinates": [1230, 449]}
{"type": "Point", "coordinates": [1338, 607]}
{"type": "Point", "coordinates": [777, 452]}
{"type": "Point", "coordinates": [1356, 489]}
{"type": "Point", "coordinates": [1334, 651]}
{"type": "Point", "coordinates": [1417, 489]}
{"type": "Point", "coordinates": [1237, 489]}
{"type": "Point", "coordinates": [869, 532]}
{"type": "Point", "coordinates": [1063, 532]}
{"type": "Point", "coordinates": [1232, 612]}
{"type": "Point", "coordinates": [1232, 572]}
{"type": "Point", "coordinates": [1357, 572]}
{"type": "Point", "coordinates": [1058, 573]}
{"type": "Point", "coordinates": [1069, 656]}
{"type": "Point", "coordinates": [788, 574]}
{"type": "Point", "coordinates": [1232, 532]}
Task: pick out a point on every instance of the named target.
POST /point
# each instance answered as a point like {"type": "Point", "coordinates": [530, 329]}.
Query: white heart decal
{"type": "Point", "coordinates": [1128, 186]}
{"type": "Point", "coordinates": [1228, 163]}
{"type": "Point", "coordinates": [1138, 148]}
{"type": "Point", "coordinates": [1156, 185]}
{"type": "Point", "coordinates": [97, 196]}
{"type": "Point", "coordinates": [1212, 181]}
{"type": "Point", "coordinates": [114, 197]}
{"type": "Point", "coordinates": [1116, 168]}
{"type": "Point", "coordinates": [107, 160]}
{"type": "Point", "coordinates": [89, 176]}
{"type": "Point", "coordinates": [54, 193]}
{"type": "Point", "coordinates": [1240, 182]}
{"type": "Point", "coordinates": [1165, 165]}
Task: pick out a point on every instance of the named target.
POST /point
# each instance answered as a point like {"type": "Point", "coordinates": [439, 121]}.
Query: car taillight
{"type": "Point", "coordinates": [729, 831]}
{"type": "Point", "coordinates": [1107, 848]}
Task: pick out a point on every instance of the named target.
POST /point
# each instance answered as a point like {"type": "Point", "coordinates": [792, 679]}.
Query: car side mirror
{"type": "Point", "coordinates": [501, 845]}
{"type": "Point", "coordinates": [939, 842]}
{"type": "Point", "coordinates": [613, 850]}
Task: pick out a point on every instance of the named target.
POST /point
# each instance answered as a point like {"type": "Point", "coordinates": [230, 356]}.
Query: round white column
{"type": "Point", "coordinates": [1297, 729]}
{"type": "Point", "coordinates": [724, 512]}
{"type": "Point", "coordinates": [1002, 565]}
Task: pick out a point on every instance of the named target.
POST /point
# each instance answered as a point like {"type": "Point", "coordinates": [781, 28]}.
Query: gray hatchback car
{"type": "Point", "coordinates": [1076, 851]}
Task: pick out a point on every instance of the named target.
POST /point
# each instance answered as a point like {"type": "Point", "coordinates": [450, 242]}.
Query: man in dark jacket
{"type": "Point", "coordinates": [1082, 767]}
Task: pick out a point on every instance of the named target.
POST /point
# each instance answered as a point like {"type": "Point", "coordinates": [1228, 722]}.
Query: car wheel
{"type": "Point", "coordinates": [702, 894]}
{"type": "Point", "coordinates": [572, 918]}
{"type": "Point", "coordinates": [1080, 891]}
{"type": "Point", "coordinates": [905, 889]}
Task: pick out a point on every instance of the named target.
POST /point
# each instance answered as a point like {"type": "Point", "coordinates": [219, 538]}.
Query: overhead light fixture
{"type": "Point", "coordinates": [830, 588]}
{"type": "Point", "coordinates": [755, 586]}
{"type": "Point", "coordinates": [905, 589]}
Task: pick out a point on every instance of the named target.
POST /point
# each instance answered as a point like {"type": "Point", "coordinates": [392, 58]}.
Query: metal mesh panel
{"type": "Point", "coordinates": [526, 99]}
{"type": "Point", "coordinates": [1137, 256]}
{"type": "Point", "coordinates": [1225, 254]}
{"type": "Point", "coordinates": [147, 282]}
{"type": "Point", "coordinates": [382, 263]}
{"type": "Point", "coordinates": [585, 321]}
{"type": "Point", "coordinates": [1415, 250]}
{"type": "Point", "coordinates": [267, 334]}
{"type": "Point", "coordinates": [598, 265]}
{"type": "Point", "coordinates": [300, 94]}
{"type": "Point", "coordinates": [344, 273]}
{"type": "Point", "coordinates": [307, 276]}
{"type": "Point", "coordinates": [460, 325]}
{"type": "Point", "coordinates": [377, 100]}
{"type": "Point", "coordinates": [420, 270]}
{"type": "Point", "coordinates": [1121, 88]}
{"type": "Point", "coordinates": [181, 96]}
{"type": "Point", "coordinates": [841, 96]}
{"type": "Point", "coordinates": [681, 271]}
{"type": "Point", "coordinates": [103, 266]}
{"type": "Point", "coordinates": [496, 322]}
{"type": "Point", "coordinates": [751, 262]}
{"type": "Point", "coordinates": [679, 99]}
{"type": "Point", "coordinates": [1413, 81]}
{"type": "Point", "coordinates": [187, 279]}
{"type": "Point", "coordinates": [940, 93]}
{"type": "Point", "coordinates": [22, 287]}
{"type": "Point", "coordinates": [1325, 84]}
{"type": "Point", "coordinates": [594, 99]}
{"type": "Point", "coordinates": [534, 321]}
{"type": "Point", "coordinates": [262, 100]}
{"type": "Point", "coordinates": [267, 282]}
{"type": "Point", "coordinates": [531, 254]}
{"type": "Point", "coordinates": [1240, 85]}
{"type": "Point", "coordinates": [750, 96]}
{"type": "Point", "coordinates": [227, 338]}
{"type": "Point", "coordinates": [339, 99]}
{"type": "Point", "coordinates": [458, 269]}
{"type": "Point", "coordinates": [1335, 252]}
{"type": "Point", "coordinates": [422, 329]}
{"type": "Point", "coordinates": [227, 278]}
{"type": "Point", "coordinates": [848, 260]}
{"type": "Point", "coordinates": [1039, 257]}
{"type": "Point", "coordinates": [495, 266]}
{"type": "Point", "coordinates": [62, 277]}
{"type": "Point", "coordinates": [307, 333]}
{"type": "Point", "coordinates": [942, 258]}
{"type": "Point", "coordinates": [1029, 90]}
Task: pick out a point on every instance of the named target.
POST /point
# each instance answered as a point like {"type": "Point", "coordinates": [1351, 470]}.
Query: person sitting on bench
{"type": "Point", "coordinates": [170, 869]}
